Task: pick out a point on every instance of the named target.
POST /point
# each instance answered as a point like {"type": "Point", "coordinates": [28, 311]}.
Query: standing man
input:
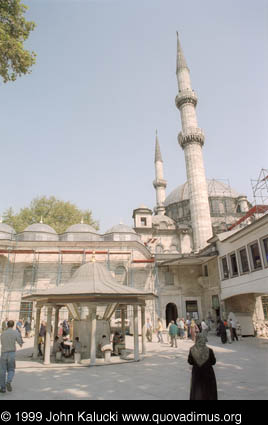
{"type": "Point", "coordinates": [173, 332]}
{"type": "Point", "coordinates": [7, 362]}
{"type": "Point", "coordinates": [4, 324]}
{"type": "Point", "coordinates": [181, 328]}
{"type": "Point", "coordinates": [149, 331]}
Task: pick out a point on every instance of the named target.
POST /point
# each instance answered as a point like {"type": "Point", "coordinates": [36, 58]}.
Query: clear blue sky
{"type": "Point", "coordinates": [82, 125]}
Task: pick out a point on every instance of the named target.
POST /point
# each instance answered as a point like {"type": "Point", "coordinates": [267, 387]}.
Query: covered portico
{"type": "Point", "coordinates": [91, 292]}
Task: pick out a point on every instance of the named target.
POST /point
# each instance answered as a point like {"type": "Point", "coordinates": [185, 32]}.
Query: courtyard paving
{"type": "Point", "coordinates": [162, 374]}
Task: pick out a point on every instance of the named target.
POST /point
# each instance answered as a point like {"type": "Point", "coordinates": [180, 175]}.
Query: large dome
{"type": "Point", "coordinates": [216, 189]}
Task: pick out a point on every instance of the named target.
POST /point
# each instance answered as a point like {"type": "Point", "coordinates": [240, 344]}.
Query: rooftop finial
{"type": "Point", "coordinates": [93, 258]}
{"type": "Point", "coordinates": [1, 219]}
{"type": "Point", "coordinates": [41, 219]}
{"type": "Point", "coordinates": [82, 220]}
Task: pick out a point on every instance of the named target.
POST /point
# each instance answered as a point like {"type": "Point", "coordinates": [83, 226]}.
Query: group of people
{"type": "Point", "coordinates": [20, 325]}
{"type": "Point", "coordinates": [182, 329]}
{"type": "Point", "coordinates": [65, 349]}
{"type": "Point", "coordinates": [227, 330]}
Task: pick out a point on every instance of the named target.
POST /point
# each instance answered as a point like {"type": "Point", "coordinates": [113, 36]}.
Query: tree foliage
{"type": "Point", "coordinates": [14, 30]}
{"type": "Point", "coordinates": [57, 214]}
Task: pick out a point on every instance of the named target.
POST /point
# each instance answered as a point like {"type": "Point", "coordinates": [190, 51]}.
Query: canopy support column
{"type": "Point", "coordinates": [123, 322]}
{"type": "Point", "coordinates": [36, 333]}
{"type": "Point", "coordinates": [136, 333]}
{"type": "Point", "coordinates": [48, 335]}
{"type": "Point", "coordinates": [143, 329]}
{"type": "Point", "coordinates": [93, 336]}
{"type": "Point", "coordinates": [56, 324]}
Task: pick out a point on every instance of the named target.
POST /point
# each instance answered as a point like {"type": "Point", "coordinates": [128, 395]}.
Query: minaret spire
{"type": "Point", "coordinates": [191, 139]}
{"type": "Point", "coordinates": [158, 156]}
{"type": "Point", "coordinates": [159, 183]}
{"type": "Point", "coordinates": [181, 62]}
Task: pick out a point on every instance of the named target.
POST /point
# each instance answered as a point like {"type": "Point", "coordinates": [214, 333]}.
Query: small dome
{"type": "Point", "coordinates": [216, 189]}
{"type": "Point", "coordinates": [6, 231]}
{"type": "Point", "coordinates": [121, 228]}
{"type": "Point", "coordinates": [6, 228]}
{"type": "Point", "coordinates": [157, 220]}
{"type": "Point", "coordinates": [81, 228]}
{"type": "Point", "coordinates": [40, 228]}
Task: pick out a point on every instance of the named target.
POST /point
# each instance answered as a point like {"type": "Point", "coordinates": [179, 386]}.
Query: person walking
{"type": "Point", "coordinates": [232, 323]}
{"type": "Point", "coordinates": [149, 330]}
{"type": "Point", "coordinates": [159, 330]}
{"type": "Point", "coordinates": [203, 382]}
{"type": "Point", "coordinates": [204, 327]}
{"type": "Point", "coordinates": [173, 332]}
{"type": "Point", "coordinates": [188, 324]}
{"type": "Point", "coordinates": [8, 353]}
{"type": "Point", "coordinates": [194, 330]}
{"type": "Point", "coordinates": [4, 324]}
{"type": "Point", "coordinates": [222, 331]}
{"type": "Point", "coordinates": [27, 327]}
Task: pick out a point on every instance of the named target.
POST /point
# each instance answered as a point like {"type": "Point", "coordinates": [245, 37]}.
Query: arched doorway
{"type": "Point", "coordinates": [171, 313]}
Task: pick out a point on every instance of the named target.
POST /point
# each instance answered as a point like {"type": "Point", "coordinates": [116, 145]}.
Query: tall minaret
{"type": "Point", "coordinates": [159, 183]}
{"type": "Point", "coordinates": [191, 139]}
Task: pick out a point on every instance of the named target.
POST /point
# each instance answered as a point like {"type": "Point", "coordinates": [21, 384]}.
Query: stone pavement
{"type": "Point", "coordinates": [162, 374]}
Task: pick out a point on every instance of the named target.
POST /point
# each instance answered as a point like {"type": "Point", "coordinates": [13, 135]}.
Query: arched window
{"type": "Point", "coordinates": [74, 268]}
{"type": "Point", "coordinates": [28, 276]}
{"type": "Point", "coordinates": [159, 249]}
{"type": "Point", "coordinates": [238, 209]}
{"type": "Point", "coordinates": [121, 275]}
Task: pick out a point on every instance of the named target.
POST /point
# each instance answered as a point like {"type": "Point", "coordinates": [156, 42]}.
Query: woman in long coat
{"type": "Point", "coordinates": [222, 332]}
{"type": "Point", "coordinates": [203, 382]}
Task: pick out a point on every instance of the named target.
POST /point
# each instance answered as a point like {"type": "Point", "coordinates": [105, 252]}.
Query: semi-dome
{"type": "Point", "coordinates": [6, 231]}
{"type": "Point", "coordinates": [216, 189]}
{"type": "Point", "coordinates": [80, 228]}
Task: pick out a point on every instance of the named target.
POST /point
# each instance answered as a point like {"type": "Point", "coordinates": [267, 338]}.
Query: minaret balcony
{"type": "Point", "coordinates": [191, 135]}
{"type": "Point", "coordinates": [160, 183]}
{"type": "Point", "coordinates": [186, 96]}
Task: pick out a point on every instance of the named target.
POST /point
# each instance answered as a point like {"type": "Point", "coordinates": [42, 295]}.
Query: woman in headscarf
{"type": "Point", "coordinates": [203, 382]}
{"type": "Point", "coordinates": [222, 332]}
{"type": "Point", "coordinates": [193, 329]}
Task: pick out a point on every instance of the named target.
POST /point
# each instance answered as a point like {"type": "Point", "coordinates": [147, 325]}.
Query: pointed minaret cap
{"type": "Point", "coordinates": [158, 156]}
{"type": "Point", "coordinates": [181, 62]}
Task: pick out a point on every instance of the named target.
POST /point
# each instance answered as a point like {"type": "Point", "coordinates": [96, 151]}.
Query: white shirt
{"type": "Point", "coordinates": [204, 325]}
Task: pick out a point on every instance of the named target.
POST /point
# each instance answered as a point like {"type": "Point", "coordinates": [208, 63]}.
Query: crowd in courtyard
{"type": "Point", "coordinates": [201, 358]}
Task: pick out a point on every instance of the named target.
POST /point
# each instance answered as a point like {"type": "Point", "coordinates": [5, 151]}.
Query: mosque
{"type": "Point", "coordinates": [166, 252]}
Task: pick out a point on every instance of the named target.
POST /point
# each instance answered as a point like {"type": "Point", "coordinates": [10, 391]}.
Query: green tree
{"type": "Point", "coordinates": [57, 214]}
{"type": "Point", "coordinates": [14, 30]}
